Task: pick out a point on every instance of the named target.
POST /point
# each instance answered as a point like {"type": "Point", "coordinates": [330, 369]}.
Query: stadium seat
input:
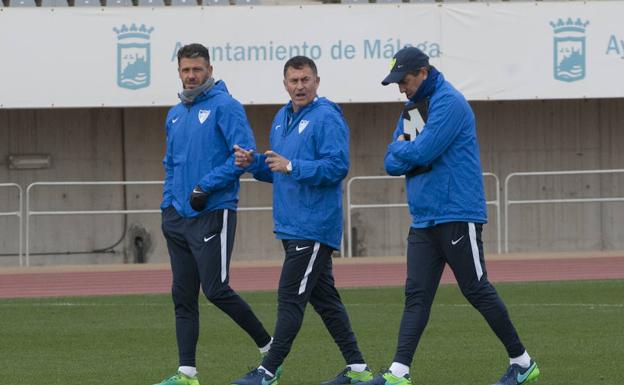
{"type": "Point", "coordinates": [54, 3]}
{"type": "Point", "coordinates": [87, 3]}
{"type": "Point", "coordinates": [151, 3]}
{"type": "Point", "coordinates": [183, 3]}
{"type": "Point", "coordinates": [355, 1]}
{"type": "Point", "coordinates": [216, 2]}
{"type": "Point", "coordinates": [22, 3]}
{"type": "Point", "coordinates": [247, 2]}
{"type": "Point", "coordinates": [119, 3]}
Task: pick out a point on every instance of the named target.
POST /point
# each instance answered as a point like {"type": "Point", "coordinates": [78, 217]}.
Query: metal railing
{"type": "Point", "coordinates": [17, 214]}
{"type": "Point", "coordinates": [364, 206]}
{"type": "Point", "coordinates": [350, 206]}
{"type": "Point", "coordinates": [253, 208]}
{"type": "Point", "coordinates": [30, 213]}
{"type": "Point", "coordinates": [509, 202]}
{"type": "Point", "coordinates": [496, 202]}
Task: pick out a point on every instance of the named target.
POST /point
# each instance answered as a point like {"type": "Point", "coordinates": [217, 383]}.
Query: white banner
{"type": "Point", "coordinates": [84, 57]}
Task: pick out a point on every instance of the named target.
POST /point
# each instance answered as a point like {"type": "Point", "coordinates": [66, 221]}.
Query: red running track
{"type": "Point", "coordinates": [353, 274]}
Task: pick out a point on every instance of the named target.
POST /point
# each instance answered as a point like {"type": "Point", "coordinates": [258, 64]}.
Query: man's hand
{"type": "Point", "coordinates": [276, 162]}
{"type": "Point", "coordinates": [198, 199]}
{"type": "Point", "coordinates": [242, 157]}
{"type": "Point", "coordinates": [401, 138]}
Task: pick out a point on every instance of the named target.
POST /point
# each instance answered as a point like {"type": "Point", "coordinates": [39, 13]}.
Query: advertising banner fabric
{"type": "Point", "coordinates": [94, 57]}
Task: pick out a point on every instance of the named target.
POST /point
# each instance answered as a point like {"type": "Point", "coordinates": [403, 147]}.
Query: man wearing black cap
{"type": "Point", "coordinates": [435, 146]}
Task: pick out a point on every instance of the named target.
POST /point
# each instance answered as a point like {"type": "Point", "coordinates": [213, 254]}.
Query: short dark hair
{"type": "Point", "coordinates": [298, 62]}
{"type": "Point", "coordinates": [192, 51]}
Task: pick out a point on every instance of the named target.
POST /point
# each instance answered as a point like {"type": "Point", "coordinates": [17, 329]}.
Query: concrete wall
{"type": "Point", "coordinates": [118, 144]}
{"type": "Point", "coordinates": [84, 145]}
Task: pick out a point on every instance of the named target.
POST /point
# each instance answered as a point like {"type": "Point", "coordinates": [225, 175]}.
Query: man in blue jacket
{"type": "Point", "coordinates": [199, 204]}
{"type": "Point", "coordinates": [308, 160]}
{"type": "Point", "coordinates": [435, 146]}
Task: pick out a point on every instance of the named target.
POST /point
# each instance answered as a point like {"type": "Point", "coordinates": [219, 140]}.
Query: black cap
{"type": "Point", "coordinates": [408, 59]}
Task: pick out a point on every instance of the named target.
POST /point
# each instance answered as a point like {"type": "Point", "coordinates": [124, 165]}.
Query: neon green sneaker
{"type": "Point", "coordinates": [348, 376]}
{"type": "Point", "coordinates": [180, 379]}
{"type": "Point", "coordinates": [388, 378]}
{"type": "Point", "coordinates": [516, 375]}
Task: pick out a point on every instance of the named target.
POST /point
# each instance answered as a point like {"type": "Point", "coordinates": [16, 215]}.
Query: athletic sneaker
{"type": "Point", "coordinates": [180, 379]}
{"type": "Point", "coordinates": [516, 375]}
{"type": "Point", "coordinates": [258, 377]}
{"type": "Point", "coordinates": [388, 378]}
{"type": "Point", "coordinates": [348, 376]}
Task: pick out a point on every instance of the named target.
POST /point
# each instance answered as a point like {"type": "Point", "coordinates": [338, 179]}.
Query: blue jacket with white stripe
{"type": "Point", "coordinates": [453, 189]}
{"type": "Point", "coordinates": [307, 203]}
{"type": "Point", "coordinates": [200, 140]}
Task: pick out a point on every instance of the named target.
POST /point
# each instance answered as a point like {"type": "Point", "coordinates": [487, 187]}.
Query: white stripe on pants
{"type": "Point", "coordinates": [223, 236]}
{"type": "Point", "coordinates": [472, 233]}
{"type": "Point", "coordinates": [304, 281]}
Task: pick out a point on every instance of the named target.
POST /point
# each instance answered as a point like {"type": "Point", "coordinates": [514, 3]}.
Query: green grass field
{"type": "Point", "coordinates": [575, 330]}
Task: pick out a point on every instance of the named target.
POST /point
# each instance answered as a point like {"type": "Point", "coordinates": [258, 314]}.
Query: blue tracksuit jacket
{"type": "Point", "coordinates": [307, 203]}
{"type": "Point", "coordinates": [200, 137]}
{"type": "Point", "coordinates": [453, 189]}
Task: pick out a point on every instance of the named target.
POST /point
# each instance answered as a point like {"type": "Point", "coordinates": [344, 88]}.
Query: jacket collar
{"type": "Point", "coordinates": [427, 87]}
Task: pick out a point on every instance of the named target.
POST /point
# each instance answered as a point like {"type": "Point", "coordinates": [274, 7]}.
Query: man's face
{"type": "Point", "coordinates": [301, 85]}
{"type": "Point", "coordinates": [410, 83]}
{"type": "Point", "coordinates": [194, 72]}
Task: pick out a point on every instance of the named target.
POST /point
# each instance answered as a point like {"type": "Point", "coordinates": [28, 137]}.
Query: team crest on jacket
{"type": "Point", "coordinates": [203, 115]}
{"type": "Point", "coordinates": [302, 125]}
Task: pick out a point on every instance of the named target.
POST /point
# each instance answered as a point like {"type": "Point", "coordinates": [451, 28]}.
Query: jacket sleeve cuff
{"type": "Point", "coordinates": [399, 149]}
{"type": "Point", "coordinates": [257, 163]}
{"type": "Point", "coordinates": [204, 185]}
{"type": "Point", "coordinates": [296, 168]}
